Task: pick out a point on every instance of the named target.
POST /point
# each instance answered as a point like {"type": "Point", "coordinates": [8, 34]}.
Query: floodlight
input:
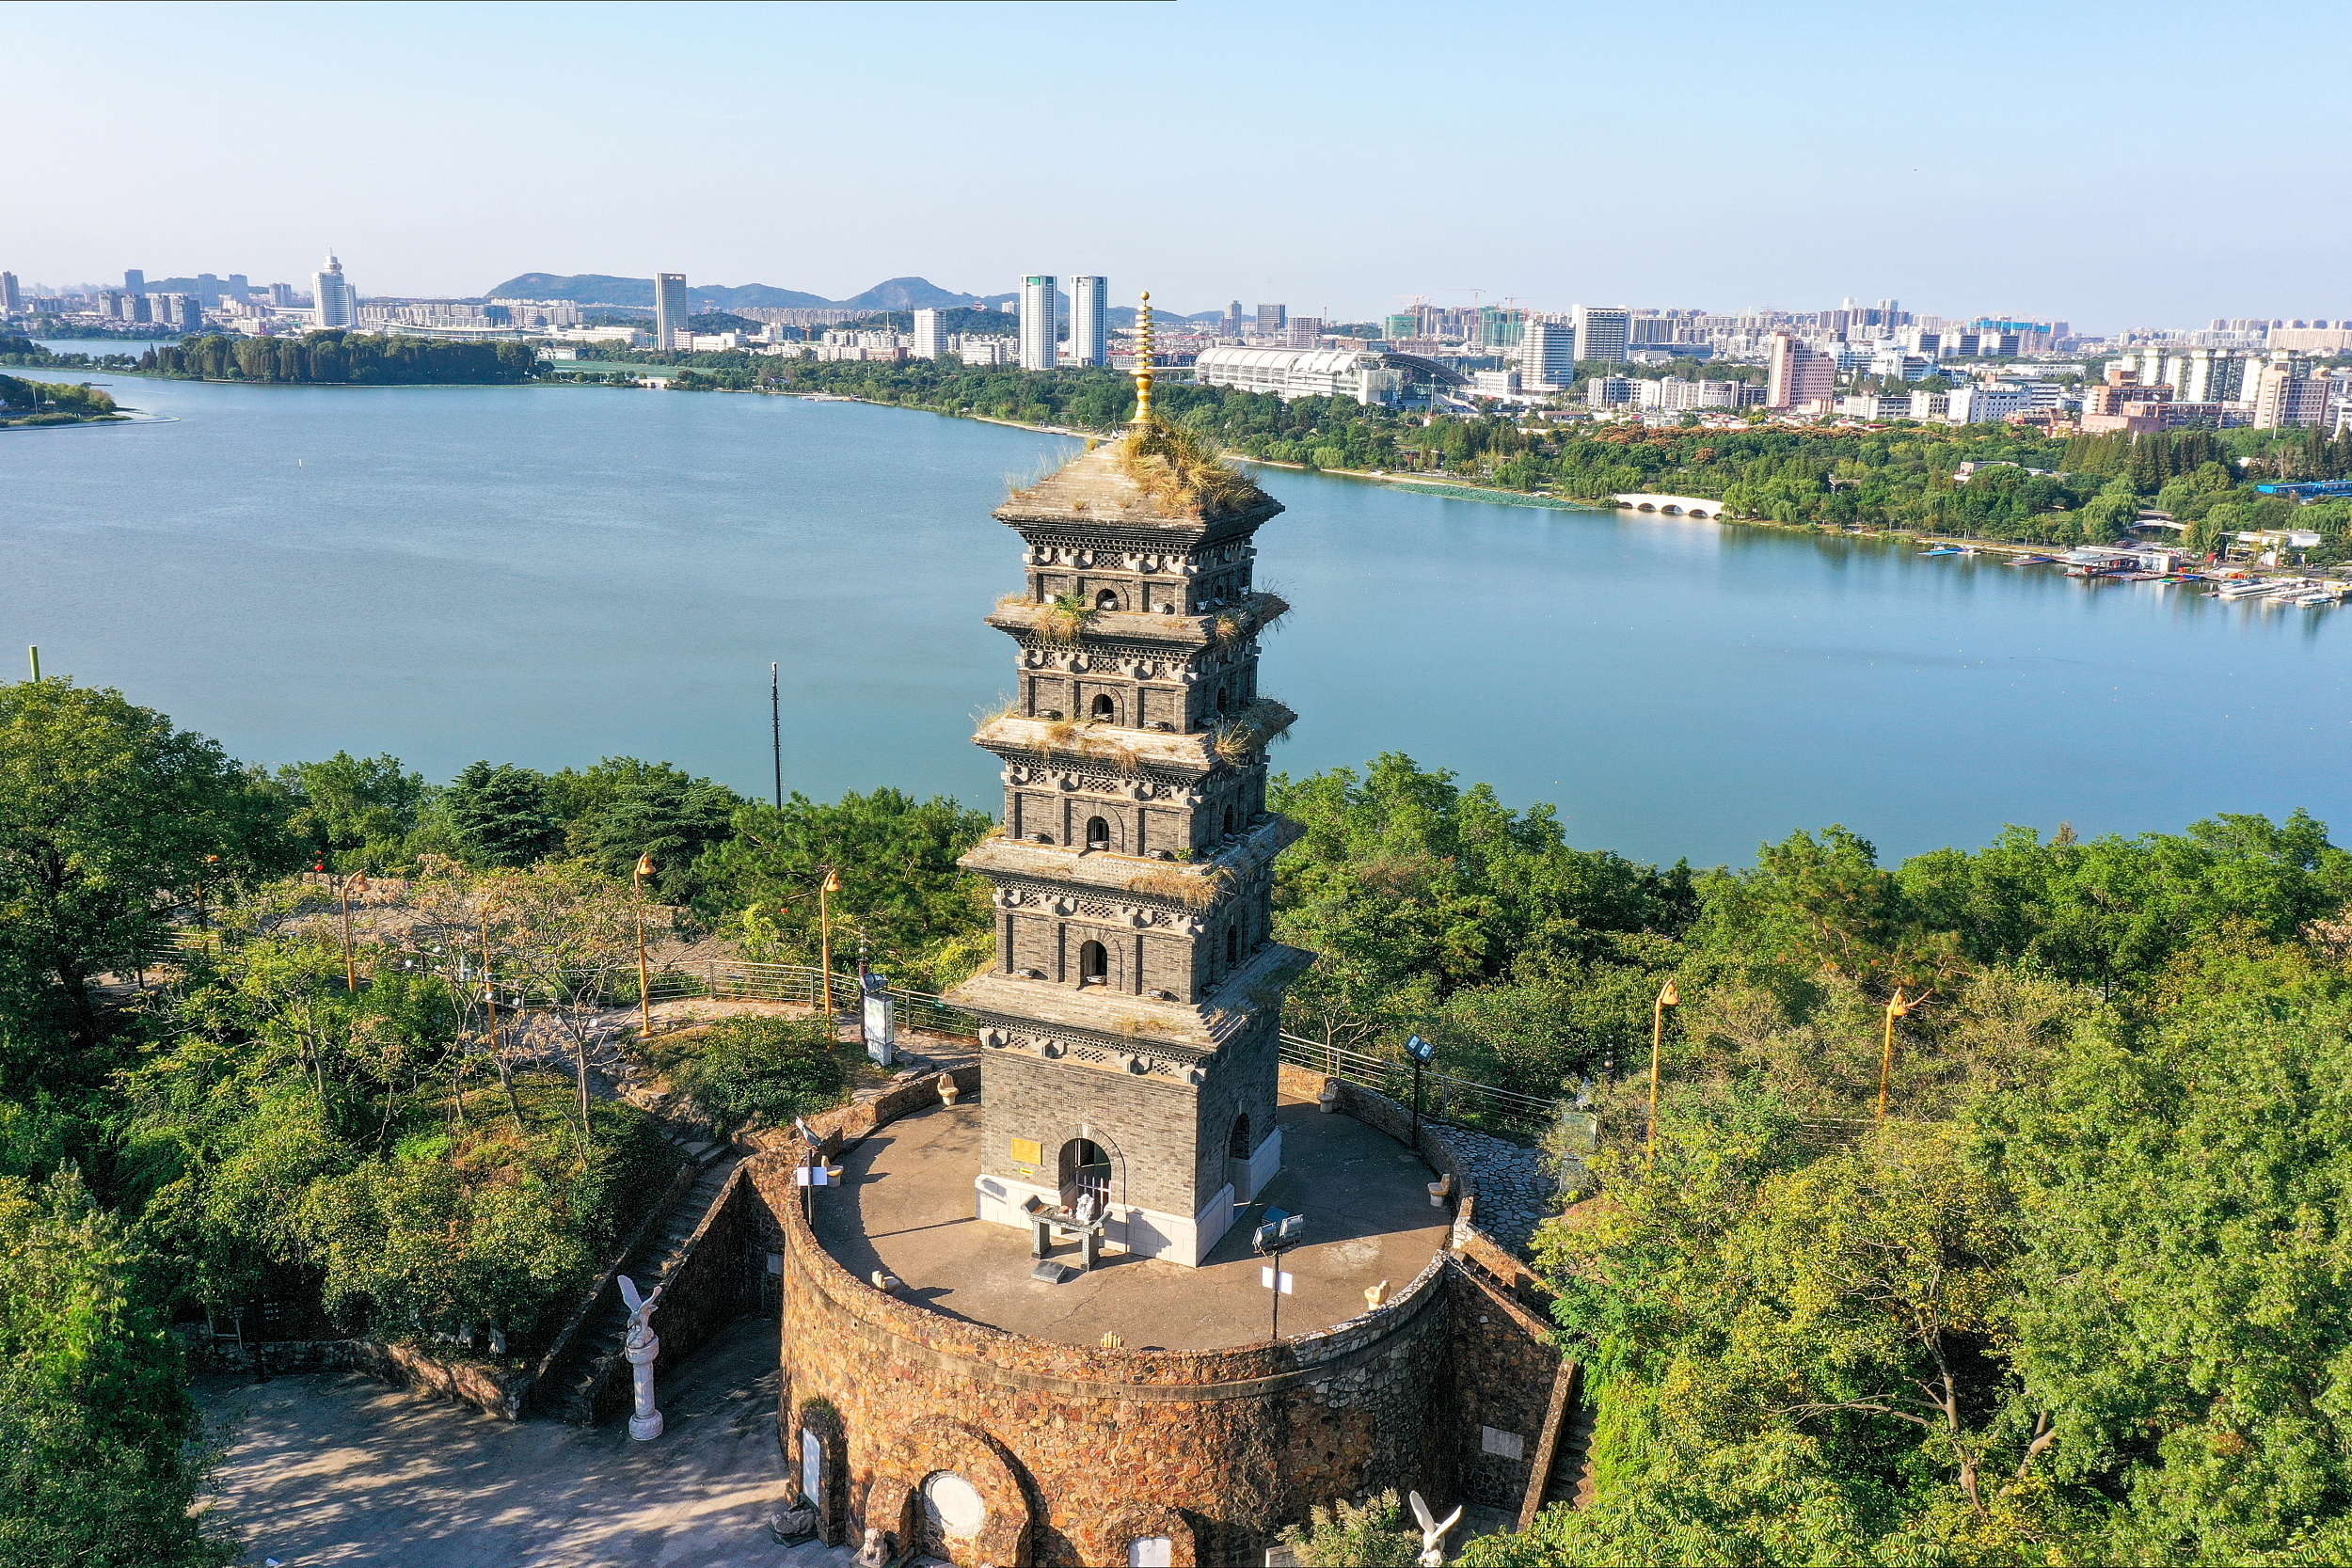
{"type": "Point", "coordinates": [1419, 1049]}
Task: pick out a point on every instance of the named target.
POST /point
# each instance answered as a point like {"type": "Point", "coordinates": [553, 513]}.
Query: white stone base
{"type": "Point", "coordinates": [1145, 1232]}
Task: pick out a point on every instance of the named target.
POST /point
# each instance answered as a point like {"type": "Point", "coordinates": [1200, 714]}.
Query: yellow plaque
{"type": "Point", "coordinates": [1028, 1153]}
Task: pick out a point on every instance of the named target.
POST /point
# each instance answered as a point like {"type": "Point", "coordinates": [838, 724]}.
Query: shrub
{"type": "Point", "coordinates": [751, 1065]}
{"type": "Point", "coordinates": [1355, 1535]}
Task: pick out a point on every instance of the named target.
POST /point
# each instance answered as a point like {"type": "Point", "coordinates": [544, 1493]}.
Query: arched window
{"type": "Point", "coordinates": [1085, 1168]}
{"type": "Point", "coordinates": [1098, 834]}
{"type": "Point", "coordinates": [1232, 944]}
{"type": "Point", "coordinates": [1238, 1145]}
{"type": "Point", "coordinates": [1229, 822]}
{"type": "Point", "coordinates": [1105, 707]}
{"type": "Point", "coordinates": [1107, 600]}
{"type": "Point", "coordinates": [1094, 964]}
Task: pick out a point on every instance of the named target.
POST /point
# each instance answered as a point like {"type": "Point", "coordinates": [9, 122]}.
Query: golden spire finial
{"type": "Point", "coordinates": [1143, 362]}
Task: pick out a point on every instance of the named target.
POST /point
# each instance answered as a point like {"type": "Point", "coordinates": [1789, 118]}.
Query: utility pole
{"type": "Point", "coordinates": [775, 725]}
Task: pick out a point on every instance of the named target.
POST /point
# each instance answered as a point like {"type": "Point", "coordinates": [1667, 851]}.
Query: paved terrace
{"type": "Point", "coordinates": [906, 1205]}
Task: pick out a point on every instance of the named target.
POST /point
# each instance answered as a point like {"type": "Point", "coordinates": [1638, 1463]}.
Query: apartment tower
{"type": "Point", "coordinates": [1040, 326]}
{"type": "Point", "coordinates": [1090, 322]}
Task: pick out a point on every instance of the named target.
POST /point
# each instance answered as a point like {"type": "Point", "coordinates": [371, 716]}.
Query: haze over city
{"type": "Point", "coordinates": [1341, 158]}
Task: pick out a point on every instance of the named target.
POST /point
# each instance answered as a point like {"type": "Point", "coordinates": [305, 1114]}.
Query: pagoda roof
{"type": "Point", "coordinates": [1144, 1026]}
{"type": "Point", "coordinates": [1187, 490]}
{"type": "Point", "coordinates": [1196, 886]}
{"type": "Point", "coordinates": [1082, 744]}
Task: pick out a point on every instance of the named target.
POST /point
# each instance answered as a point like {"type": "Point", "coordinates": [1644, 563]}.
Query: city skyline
{"type": "Point", "coordinates": [1502, 196]}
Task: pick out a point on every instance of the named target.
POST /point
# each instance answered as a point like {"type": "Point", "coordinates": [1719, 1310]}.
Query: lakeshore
{"type": "Point", "coordinates": [488, 574]}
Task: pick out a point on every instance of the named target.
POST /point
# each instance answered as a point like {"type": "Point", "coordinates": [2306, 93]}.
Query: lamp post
{"type": "Point", "coordinates": [355, 882]}
{"type": "Point", "coordinates": [824, 937]}
{"type": "Point", "coordinates": [1895, 1009]}
{"type": "Point", "coordinates": [210, 860]}
{"type": "Point", "coordinates": [1667, 997]}
{"type": "Point", "coordinates": [1420, 1051]}
{"type": "Point", "coordinates": [644, 994]}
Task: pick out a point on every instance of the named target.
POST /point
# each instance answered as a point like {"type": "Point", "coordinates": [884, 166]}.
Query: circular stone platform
{"type": "Point", "coordinates": [906, 1205]}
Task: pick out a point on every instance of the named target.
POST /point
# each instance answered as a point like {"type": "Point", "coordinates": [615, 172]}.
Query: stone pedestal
{"type": "Point", "coordinates": [645, 1425]}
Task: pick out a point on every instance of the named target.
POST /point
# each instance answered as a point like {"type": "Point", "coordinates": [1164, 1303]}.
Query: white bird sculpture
{"type": "Point", "coordinates": [640, 1309]}
{"type": "Point", "coordinates": [1433, 1533]}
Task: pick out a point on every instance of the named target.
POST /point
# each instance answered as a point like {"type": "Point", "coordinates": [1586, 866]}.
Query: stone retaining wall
{"type": "Point", "coordinates": [1375, 1109]}
{"type": "Point", "coordinates": [1220, 1447]}
{"type": "Point", "coordinates": [487, 1389]}
{"type": "Point", "coordinates": [711, 1284]}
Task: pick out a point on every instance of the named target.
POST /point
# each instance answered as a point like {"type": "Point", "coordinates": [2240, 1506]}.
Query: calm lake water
{"type": "Point", "coordinates": [549, 576]}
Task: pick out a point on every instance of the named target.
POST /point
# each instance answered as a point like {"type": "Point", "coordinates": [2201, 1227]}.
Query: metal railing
{"type": "Point", "coordinates": [1444, 1097]}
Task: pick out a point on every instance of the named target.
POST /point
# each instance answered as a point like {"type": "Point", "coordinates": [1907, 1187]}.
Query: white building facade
{"type": "Point", "coordinates": [1295, 372]}
{"type": "Point", "coordinates": [929, 341]}
{"type": "Point", "coordinates": [338, 302]}
{"type": "Point", "coordinates": [1041, 331]}
{"type": "Point", "coordinates": [1089, 321]}
{"type": "Point", "coordinates": [1602, 332]}
{"type": "Point", "coordinates": [1547, 355]}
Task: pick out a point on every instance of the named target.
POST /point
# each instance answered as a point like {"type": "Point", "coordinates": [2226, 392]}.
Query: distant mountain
{"type": "Point", "coordinates": [907, 293]}
{"type": "Point", "coordinates": [593, 287]}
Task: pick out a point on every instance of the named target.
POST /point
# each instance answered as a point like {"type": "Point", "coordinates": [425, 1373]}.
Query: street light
{"type": "Point", "coordinates": [1667, 997]}
{"type": "Point", "coordinates": [355, 882]}
{"type": "Point", "coordinates": [1895, 1009]}
{"type": "Point", "coordinates": [824, 924]}
{"type": "Point", "coordinates": [1278, 1234]}
{"type": "Point", "coordinates": [644, 995]}
{"type": "Point", "coordinates": [1420, 1051]}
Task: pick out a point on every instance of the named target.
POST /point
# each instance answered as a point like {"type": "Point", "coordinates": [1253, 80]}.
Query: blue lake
{"type": "Point", "coordinates": [550, 575]}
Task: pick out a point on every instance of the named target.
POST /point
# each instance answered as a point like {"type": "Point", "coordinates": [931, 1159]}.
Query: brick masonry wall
{"type": "Point", "coordinates": [1503, 1371]}
{"type": "Point", "coordinates": [488, 1389]}
{"type": "Point", "coordinates": [1143, 1123]}
{"type": "Point", "coordinates": [1233, 1443]}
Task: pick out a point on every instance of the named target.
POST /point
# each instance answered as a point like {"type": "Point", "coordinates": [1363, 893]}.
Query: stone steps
{"type": "Point", "coordinates": [596, 1352]}
{"type": "Point", "coordinates": [1571, 1478]}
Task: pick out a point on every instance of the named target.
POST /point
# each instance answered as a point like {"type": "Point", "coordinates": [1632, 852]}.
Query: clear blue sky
{"type": "Point", "coordinates": [2115, 165]}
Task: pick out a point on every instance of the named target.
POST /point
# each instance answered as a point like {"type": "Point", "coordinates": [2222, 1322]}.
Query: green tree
{"type": "Point", "coordinates": [97, 1462]}
{"type": "Point", "coordinates": [501, 816]}
{"type": "Point", "coordinates": [110, 819]}
{"type": "Point", "coordinates": [623, 808]}
{"type": "Point", "coordinates": [925, 918]}
{"type": "Point", "coordinates": [354, 811]}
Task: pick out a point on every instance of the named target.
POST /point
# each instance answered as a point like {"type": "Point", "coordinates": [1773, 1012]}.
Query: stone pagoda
{"type": "Point", "coordinates": [1128, 1025]}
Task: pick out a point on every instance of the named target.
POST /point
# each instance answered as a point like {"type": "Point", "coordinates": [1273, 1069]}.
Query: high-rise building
{"type": "Point", "coordinates": [2286, 393]}
{"type": "Point", "coordinates": [929, 341]}
{"type": "Point", "coordinates": [1273, 318]}
{"type": "Point", "coordinates": [239, 288]}
{"type": "Point", "coordinates": [1799, 375]}
{"type": "Point", "coordinates": [1089, 321]}
{"type": "Point", "coordinates": [1232, 320]}
{"type": "Point", "coordinates": [1041, 329]}
{"type": "Point", "coordinates": [335, 302]}
{"type": "Point", "coordinates": [11, 297]}
{"type": "Point", "coordinates": [208, 288]}
{"type": "Point", "coordinates": [282, 295]}
{"type": "Point", "coordinates": [670, 310]}
{"type": "Point", "coordinates": [1602, 332]}
{"type": "Point", "coordinates": [142, 309]}
{"type": "Point", "coordinates": [1547, 355]}
{"type": "Point", "coordinates": [133, 280]}
{"type": "Point", "coordinates": [1500, 326]}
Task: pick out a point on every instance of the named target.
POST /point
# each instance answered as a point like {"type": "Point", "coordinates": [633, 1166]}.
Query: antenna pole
{"type": "Point", "coordinates": [775, 724]}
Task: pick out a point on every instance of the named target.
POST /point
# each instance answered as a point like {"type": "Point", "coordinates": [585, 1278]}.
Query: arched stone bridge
{"type": "Point", "coordinates": [1690, 506]}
